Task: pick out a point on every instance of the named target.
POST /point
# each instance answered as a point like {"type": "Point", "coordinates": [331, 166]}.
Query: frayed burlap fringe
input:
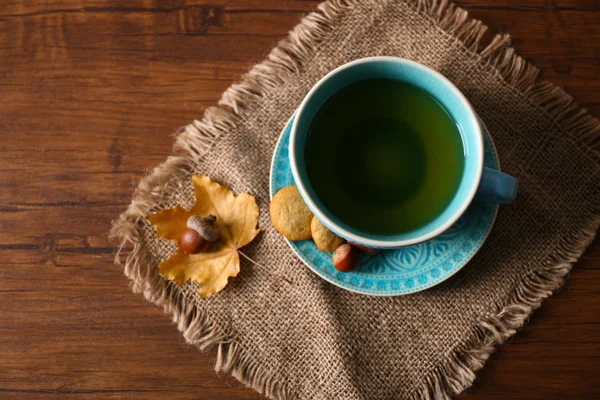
{"type": "Point", "coordinates": [283, 62]}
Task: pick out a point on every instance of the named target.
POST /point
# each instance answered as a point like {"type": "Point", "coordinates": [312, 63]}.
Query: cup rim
{"type": "Point", "coordinates": [363, 240]}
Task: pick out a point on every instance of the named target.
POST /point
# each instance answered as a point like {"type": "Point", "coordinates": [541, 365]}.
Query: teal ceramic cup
{"type": "Point", "coordinates": [477, 182]}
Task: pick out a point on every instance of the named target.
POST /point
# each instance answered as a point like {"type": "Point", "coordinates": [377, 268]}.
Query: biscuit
{"type": "Point", "coordinates": [290, 215]}
{"type": "Point", "coordinates": [323, 237]}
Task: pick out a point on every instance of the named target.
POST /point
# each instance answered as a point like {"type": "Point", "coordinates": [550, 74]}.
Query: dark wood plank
{"type": "Point", "coordinates": [91, 93]}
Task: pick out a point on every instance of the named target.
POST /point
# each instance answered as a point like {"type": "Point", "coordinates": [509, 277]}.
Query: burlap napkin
{"type": "Point", "coordinates": [312, 340]}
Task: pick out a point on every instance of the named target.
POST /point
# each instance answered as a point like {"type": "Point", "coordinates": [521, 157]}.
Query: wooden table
{"type": "Point", "coordinates": [91, 93]}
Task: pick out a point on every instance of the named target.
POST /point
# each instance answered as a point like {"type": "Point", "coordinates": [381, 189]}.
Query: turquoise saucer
{"type": "Point", "coordinates": [405, 270]}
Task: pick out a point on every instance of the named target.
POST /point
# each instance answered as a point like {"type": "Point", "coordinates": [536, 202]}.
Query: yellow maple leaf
{"type": "Point", "coordinates": [237, 217]}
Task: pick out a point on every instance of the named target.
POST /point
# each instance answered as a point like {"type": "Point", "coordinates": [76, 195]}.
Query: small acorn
{"type": "Point", "coordinates": [364, 249]}
{"type": "Point", "coordinates": [345, 258]}
{"type": "Point", "coordinates": [199, 234]}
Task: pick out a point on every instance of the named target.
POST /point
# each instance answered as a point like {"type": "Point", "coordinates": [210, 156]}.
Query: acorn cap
{"type": "Point", "coordinates": [204, 226]}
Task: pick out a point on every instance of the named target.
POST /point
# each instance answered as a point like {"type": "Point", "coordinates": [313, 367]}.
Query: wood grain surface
{"type": "Point", "coordinates": [91, 93]}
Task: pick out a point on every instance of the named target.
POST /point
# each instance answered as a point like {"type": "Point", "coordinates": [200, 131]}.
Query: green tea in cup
{"type": "Point", "coordinates": [384, 156]}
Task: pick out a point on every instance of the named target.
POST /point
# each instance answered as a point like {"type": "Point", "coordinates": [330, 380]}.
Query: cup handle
{"type": "Point", "coordinates": [497, 187]}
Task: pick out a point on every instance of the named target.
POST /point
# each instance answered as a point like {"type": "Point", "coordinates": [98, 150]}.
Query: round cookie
{"type": "Point", "coordinates": [290, 215]}
{"type": "Point", "coordinates": [323, 237]}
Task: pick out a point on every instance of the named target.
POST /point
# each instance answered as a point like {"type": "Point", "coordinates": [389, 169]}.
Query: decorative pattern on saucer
{"type": "Point", "coordinates": [401, 271]}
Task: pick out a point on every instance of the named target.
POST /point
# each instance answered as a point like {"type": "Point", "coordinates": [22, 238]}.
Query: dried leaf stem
{"type": "Point", "coordinates": [267, 270]}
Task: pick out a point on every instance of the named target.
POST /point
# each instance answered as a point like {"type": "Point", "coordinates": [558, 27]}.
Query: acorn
{"type": "Point", "coordinates": [199, 234]}
{"type": "Point", "coordinates": [364, 249]}
{"type": "Point", "coordinates": [345, 258]}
